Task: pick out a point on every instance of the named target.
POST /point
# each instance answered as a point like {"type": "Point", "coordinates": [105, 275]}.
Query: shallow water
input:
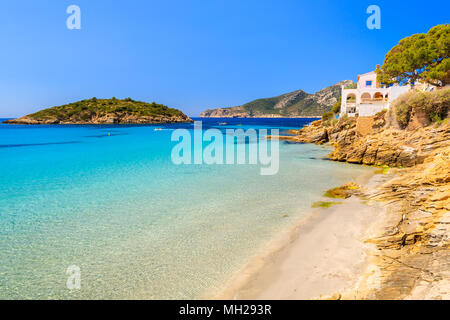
{"type": "Point", "coordinates": [109, 200]}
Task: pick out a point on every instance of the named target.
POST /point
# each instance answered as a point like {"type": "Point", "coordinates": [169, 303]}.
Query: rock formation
{"type": "Point", "coordinates": [387, 146]}
{"type": "Point", "coordinates": [413, 247]}
{"type": "Point", "coordinates": [411, 259]}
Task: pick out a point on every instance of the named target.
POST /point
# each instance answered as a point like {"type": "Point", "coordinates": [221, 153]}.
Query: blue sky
{"type": "Point", "coordinates": [193, 54]}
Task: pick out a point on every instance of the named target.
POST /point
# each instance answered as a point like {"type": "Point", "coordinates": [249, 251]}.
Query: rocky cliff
{"type": "Point", "coordinates": [412, 247]}
{"type": "Point", "coordinates": [294, 104]}
{"type": "Point", "coordinates": [105, 111]}
{"type": "Point", "coordinates": [387, 146]}
{"type": "Point", "coordinates": [411, 257]}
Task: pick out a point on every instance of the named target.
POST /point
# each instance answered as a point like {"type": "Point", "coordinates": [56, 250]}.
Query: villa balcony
{"type": "Point", "coordinates": [378, 100]}
{"type": "Point", "coordinates": [368, 101]}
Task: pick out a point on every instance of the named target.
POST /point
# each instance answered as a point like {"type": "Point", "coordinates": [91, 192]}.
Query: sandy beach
{"type": "Point", "coordinates": [323, 256]}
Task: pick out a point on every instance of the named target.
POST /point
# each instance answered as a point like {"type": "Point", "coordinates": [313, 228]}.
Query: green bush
{"type": "Point", "coordinates": [439, 105]}
{"type": "Point", "coordinates": [85, 116]}
{"type": "Point", "coordinates": [402, 109]}
{"type": "Point", "coordinates": [436, 118]}
{"type": "Point", "coordinates": [351, 86]}
{"type": "Point", "coordinates": [337, 106]}
{"type": "Point", "coordinates": [381, 113]}
{"type": "Point", "coordinates": [435, 105]}
{"type": "Point", "coordinates": [327, 116]}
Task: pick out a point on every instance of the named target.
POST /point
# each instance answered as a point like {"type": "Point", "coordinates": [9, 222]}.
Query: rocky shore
{"type": "Point", "coordinates": [383, 146]}
{"type": "Point", "coordinates": [116, 118]}
{"type": "Point", "coordinates": [411, 257]}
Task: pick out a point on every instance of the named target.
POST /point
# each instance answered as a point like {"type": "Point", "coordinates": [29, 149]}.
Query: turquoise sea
{"type": "Point", "coordinates": [109, 200]}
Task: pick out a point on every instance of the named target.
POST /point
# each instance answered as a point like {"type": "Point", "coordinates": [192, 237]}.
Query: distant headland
{"type": "Point", "coordinates": [105, 111]}
{"type": "Point", "coordinates": [290, 105]}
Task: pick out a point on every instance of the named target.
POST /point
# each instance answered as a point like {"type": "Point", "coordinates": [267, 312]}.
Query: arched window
{"type": "Point", "coordinates": [378, 96]}
{"type": "Point", "coordinates": [366, 96]}
{"type": "Point", "coordinates": [386, 96]}
{"type": "Point", "coordinates": [351, 98]}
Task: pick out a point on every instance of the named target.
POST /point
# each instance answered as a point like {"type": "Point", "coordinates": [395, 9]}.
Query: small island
{"type": "Point", "coordinates": [105, 111]}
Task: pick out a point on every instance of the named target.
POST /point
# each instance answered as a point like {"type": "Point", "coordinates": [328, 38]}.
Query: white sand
{"type": "Point", "coordinates": [323, 255]}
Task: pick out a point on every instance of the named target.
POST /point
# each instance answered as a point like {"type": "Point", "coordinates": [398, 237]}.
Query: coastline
{"type": "Point", "coordinates": [319, 256]}
{"type": "Point", "coordinates": [389, 242]}
{"type": "Point", "coordinates": [264, 117]}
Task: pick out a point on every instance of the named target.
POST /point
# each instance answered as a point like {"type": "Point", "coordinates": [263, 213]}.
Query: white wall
{"type": "Point", "coordinates": [369, 110]}
{"type": "Point", "coordinates": [397, 91]}
{"type": "Point", "coordinates": [372, 76]}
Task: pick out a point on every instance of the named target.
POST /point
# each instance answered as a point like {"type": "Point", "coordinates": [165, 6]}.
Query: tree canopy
{"type": "Point", "coordinates": [420, 57]}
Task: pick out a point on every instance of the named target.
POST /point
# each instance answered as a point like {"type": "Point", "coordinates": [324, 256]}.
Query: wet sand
{"type": "Point", "coordinates": [323, 256]}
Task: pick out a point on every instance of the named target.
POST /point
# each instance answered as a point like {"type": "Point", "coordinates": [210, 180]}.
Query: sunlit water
{"type": "Point", "coordinates": [109, 200]}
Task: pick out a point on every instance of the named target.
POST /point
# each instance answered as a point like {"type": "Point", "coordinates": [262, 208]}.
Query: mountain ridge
{"type": "Point", "coordinates": [293, 104]}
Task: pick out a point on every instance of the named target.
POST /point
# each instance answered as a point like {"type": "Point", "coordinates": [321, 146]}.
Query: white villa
{"type": "Point", "coordinates": [369, 97]}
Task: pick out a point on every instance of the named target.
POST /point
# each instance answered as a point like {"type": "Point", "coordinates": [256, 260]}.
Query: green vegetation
{"type": "Point", "coordinates": [330, 122]}
{"type": "Point", "coordinates": [262, 106]}
{"type": "Point", "coordinates": [327, 116]}
{"type": "Point", "coordinates": [420, 57]}
{"type": "Point", "coordinates": [87, 109]}
{"type": "Point", "coordinates": [329, 119]}
{"type": "Point", "coordinates": [436, 118]}
{"type": "Point", "coordinates": [337, 106]}
{"type": "Point", "coordinates": [382, 169]}
{"type": "Point", "coordinates": [267, 105]}
{"type": "Point", "coordinates": [334, 194]}
{"type": "Point", "coordinates": [381, 114]}
{"type": "Point", "coordinates": [435, 105]}
{"type": "Point", "coordinates": [342, 192]}
{"type": "Point", "coordinates": [322, 204]}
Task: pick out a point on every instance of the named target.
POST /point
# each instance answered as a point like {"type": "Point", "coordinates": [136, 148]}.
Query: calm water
{"type": "Point", "coordinates": [109, 200]}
